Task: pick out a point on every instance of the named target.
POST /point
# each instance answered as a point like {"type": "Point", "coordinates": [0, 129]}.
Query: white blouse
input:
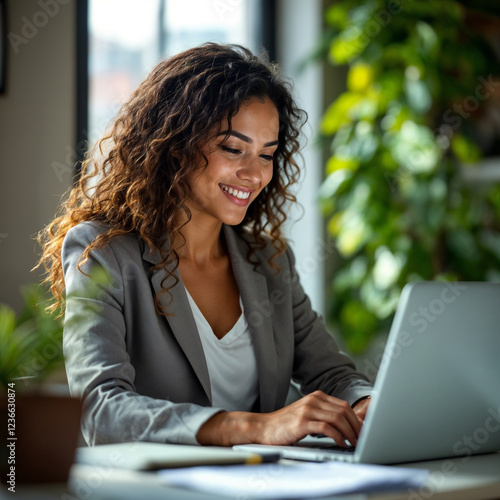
{"type": "Point", "coordinates": [231, 362]}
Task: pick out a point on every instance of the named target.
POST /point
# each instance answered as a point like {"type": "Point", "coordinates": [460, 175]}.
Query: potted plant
{"type": "Point", "coordinates": [40, 426]}
{"type": "Point", "coordinates": [403, 196]}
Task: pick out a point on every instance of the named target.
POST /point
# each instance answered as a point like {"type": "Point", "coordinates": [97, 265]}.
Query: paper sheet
{"type": "Point", "coordinates": [294, 481]}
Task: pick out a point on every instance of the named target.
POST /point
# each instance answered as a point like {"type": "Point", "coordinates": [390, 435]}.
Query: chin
{"type": "Point", "coordinates": [233, 218]}
{"type": "Point", "coordinates": [232, 221]}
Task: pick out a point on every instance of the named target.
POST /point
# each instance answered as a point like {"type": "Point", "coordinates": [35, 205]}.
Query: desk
{"type": "Point", "coordinates": [478, 478]}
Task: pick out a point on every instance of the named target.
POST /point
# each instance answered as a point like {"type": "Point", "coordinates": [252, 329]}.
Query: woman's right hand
{"type": "Point", "coordinates": [316, 413]}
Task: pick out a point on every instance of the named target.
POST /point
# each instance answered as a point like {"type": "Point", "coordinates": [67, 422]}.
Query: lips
{"type": "Point", "coordinates": [237, 193]}
{"type": "Point", "coordinates": [238, 196]}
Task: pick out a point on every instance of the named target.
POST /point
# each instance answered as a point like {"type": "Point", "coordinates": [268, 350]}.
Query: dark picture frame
{"type": "Point", "coordinates": [3, 46]}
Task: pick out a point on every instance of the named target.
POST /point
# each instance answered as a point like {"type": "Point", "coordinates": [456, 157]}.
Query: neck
{"type": "Point", "coordinates": [203, 241]}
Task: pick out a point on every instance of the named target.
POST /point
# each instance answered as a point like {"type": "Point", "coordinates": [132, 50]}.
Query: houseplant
{"type": "Point", "coordinates": [405, 139]}
{"type": "Point", "coordinates": [39, 428]}
{"type": "Point", "coordinates": [31, 341]}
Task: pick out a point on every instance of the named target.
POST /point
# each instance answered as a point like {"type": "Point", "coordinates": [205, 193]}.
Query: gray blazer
{"type": "Point", "coordinates": [143, 376]}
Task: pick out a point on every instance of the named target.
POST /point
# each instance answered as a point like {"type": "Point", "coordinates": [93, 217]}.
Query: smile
{"type": "Point", "coordinates": [242, 195]}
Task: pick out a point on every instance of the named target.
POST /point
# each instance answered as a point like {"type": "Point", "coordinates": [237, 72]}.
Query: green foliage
{"type": "Point", "coordinates": [394, 195]}
{"type": "Point", "coordinates": [31, 343]}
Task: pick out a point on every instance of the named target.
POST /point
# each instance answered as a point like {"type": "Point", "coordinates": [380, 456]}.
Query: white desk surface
{"type": "Point", "coordinates": [476, 478]}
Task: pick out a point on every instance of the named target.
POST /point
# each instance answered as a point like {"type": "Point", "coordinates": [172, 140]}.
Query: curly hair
{"type": "Point", "coordinates": [136, 177]}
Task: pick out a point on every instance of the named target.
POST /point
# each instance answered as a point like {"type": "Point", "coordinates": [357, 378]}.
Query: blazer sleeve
{"type": "Point", "coordinates": [318, 362]}
{"type": "Point", "coordinates": [97, 363]}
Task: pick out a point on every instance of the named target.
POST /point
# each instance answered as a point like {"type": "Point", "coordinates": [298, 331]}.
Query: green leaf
{"type": "Point", "coordinates": [359, 77]}
{"type": "Point", "coordinates": [333, 182]}
{"type": "Point", "coordinates": [359, 325]}
{"type": "Point", "coordinates": [335, 163]}
{"type": "Point", "coordinates": [414, 148]}
{"type": "Point", "coordinates": [348, 45]}
{"type": "Point", "coordinates": [353, 233]}
{"type": "Point", "coordinates": [418, 96]}
{"type": "Point", "coordinates": [464, 149]}
{"type": "Point", "coordinates": [7, 321]}
{"type": "Point", "coordinates": [340, 113]}
{"type": "Point", "coordinates": [337, 16]}
{"type": "Point", "coordinates": [30, 344]}
{"type": "Point", "coordinates": [428, 42]}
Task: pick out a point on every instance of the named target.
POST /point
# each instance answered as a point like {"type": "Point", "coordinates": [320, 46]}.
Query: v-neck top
{"type": "Point", "coordinates": [231, 362]}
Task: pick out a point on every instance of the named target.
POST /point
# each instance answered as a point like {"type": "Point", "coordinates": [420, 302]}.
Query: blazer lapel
{"type": "Point", "coordinates": [181, 320]}
{"type": "Point", "coordinates": [255, 297]}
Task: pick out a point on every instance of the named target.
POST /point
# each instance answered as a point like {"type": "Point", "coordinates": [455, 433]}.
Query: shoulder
{"type": "Point", "coordinates": [86, 232]}
{"type": "Point", "coordinates": [79, 237]}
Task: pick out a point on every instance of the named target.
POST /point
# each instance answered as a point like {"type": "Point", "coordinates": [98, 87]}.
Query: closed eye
{"type": "Point", "coordinates": [267, 157]}
{"type": "Point", "coordinates": [230, 150]}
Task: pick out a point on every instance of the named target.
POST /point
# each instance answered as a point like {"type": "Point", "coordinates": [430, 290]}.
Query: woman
{"type": "Point", "coordinates": [203, 323]}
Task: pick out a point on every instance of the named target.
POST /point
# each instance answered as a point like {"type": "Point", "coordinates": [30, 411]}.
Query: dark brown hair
{"type": "Point", "coordinates": [136, 177]}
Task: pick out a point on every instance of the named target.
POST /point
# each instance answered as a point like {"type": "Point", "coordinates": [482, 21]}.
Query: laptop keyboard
{"type": "Point", "coordinates": [325, 445]}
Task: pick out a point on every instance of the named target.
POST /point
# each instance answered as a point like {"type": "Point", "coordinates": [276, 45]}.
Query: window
{"type": "Point", "coordinates": [128, 37]}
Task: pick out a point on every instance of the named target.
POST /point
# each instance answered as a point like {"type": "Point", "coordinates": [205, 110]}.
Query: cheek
{"type": "Point", "coordinates": [268, 176]}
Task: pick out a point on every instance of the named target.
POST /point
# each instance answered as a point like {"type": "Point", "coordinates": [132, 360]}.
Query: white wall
{"type": "Point", "coordinates": [300, 24]}
{"type": "Point", "coordinates": [37, 117]}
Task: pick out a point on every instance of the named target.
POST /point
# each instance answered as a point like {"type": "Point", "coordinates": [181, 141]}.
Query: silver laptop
{"type": "Point", "coordinates": [437, 392]}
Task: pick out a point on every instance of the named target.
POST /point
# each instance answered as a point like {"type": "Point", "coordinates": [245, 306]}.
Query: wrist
{"type": "Point", "coordinates": [229, 428]}
{"type": "Point", "coordinates": [364, 398]}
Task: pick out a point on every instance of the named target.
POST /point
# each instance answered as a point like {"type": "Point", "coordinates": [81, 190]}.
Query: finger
{"type": "Point", "coordinates": [335, 419]}
{"type": "Point", "coordinates": [347, 432]}
{"type": "Point", "coordinates": [324, 429]}
{"type": "Point", "coordinates": [353, 420]}
{"type": "Point", "coordinates": [325, 402]}
{"type": "Point", "coordinates": [350, 418]}
{"type": "Point", "coordinates": [346, 420]}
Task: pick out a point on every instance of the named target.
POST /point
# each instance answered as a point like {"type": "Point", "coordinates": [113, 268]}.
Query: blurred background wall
{"type": "Point", "coordinates": [37, 128]}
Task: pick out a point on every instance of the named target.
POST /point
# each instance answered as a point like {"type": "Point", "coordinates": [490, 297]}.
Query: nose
{"type": "Point", "coordinates": [251, 171]}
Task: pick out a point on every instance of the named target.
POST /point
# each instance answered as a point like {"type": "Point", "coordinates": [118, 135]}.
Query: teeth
{"type": "Point", "coordinates": [242, 195]}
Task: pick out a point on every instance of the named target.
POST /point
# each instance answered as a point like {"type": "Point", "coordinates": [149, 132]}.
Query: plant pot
{"type": "Point", "coordinates": [46, 434]}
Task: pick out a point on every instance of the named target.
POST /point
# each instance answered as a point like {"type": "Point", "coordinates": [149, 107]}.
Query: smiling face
{"type": "Point", "coordinates": [239, 166]}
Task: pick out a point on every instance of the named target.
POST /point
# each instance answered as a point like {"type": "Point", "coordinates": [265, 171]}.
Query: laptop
{"type": "Point", "coordinates": [437, 392]}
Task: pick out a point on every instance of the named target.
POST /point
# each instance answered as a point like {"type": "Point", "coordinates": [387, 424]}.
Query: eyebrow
{"type": "Point", "coordinates": [245, 138]}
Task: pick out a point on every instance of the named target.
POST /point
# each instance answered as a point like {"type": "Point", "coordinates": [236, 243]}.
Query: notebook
{"type": "Point", "coordinates": [151, 456]}
{"type": "Point", "coordinates": [437, 392]}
